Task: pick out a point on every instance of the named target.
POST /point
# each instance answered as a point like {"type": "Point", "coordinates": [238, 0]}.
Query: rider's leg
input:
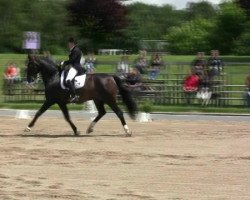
{"type": "Point", "coordinates": [72, 73]}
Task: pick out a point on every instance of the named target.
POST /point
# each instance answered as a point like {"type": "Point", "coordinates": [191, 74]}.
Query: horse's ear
{"type": "Point", "coordinates": [31, 57]}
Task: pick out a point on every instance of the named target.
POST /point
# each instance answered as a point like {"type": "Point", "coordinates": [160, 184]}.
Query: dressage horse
{"type": "Point", "coordinates": [101, 88]}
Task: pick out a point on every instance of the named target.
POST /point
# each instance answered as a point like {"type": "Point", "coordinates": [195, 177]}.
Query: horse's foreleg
{"type": "Point", "coordinates": [44, 107]}
{"type": "Point", "coordinates": [101, 113]}
{"type": "Point", "coordinates": [65, 111]}
{"type": "Point", "coordinates": [119, 114]}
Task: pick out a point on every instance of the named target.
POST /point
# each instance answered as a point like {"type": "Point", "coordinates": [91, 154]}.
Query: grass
{"type": "Point", "coordinates": [199, 109]}
{"type": "Point", "coordinates": [236, 74]}
{"type": "Point", "coordinates": [35, 106]}
{"type": "Point", "coordinates": [155, 108]}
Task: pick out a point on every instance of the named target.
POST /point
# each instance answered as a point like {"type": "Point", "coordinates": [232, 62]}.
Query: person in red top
{"type": "Point", "coordinates": [191, 83]}
{"type": "Point", "coordinates": [11, 73]}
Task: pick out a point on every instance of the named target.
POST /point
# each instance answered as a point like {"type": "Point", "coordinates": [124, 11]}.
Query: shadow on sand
{"type": "Point", "coordinates": [60, 136]}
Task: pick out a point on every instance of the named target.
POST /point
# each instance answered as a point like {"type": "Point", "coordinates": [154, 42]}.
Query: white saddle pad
{"type": "Point", "coordinates": [79, 81]}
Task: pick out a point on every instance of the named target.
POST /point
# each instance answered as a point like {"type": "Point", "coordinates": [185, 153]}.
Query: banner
{"type": "Point", "coordinates": [31, 40]}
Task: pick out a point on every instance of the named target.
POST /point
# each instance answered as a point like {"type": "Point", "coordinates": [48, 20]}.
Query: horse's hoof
{"type": "Point", "coordinates": [27, 129]}
{"type": "Point", "coordinates": [90, 130]}
{"type": "Point", "coordinates": [128, 134]}
{"type": "Point", "coordinates": [77, 133]}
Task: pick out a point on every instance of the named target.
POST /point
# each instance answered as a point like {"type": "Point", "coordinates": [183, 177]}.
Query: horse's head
{"type": "Point", "coordinates": [33, 68]}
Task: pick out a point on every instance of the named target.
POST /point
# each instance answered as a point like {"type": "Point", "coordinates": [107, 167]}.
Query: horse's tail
{"type": "Point", "coordinates": [126, 98]}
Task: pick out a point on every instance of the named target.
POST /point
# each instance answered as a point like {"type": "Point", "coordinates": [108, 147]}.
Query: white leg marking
{"type": "Point", "coordinates": [27, 129]}
{"type": "Point", "coordinates": [128, 133]}
{"type": "Point", "coordinates": [91, 127]}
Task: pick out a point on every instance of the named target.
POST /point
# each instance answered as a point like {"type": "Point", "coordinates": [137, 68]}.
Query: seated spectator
{"type": "Point", "coordinates": [190, 86]}
{"type": "Point", "coordinates": [199, 64]}
{"type": "Point", "coordinates": [247, 94]}
{"type": "Point", "coordinates": [155, 65]}
{"type": "Point", "coordinates": [143, 53]}
{"type": "Point", "coordinates": [123, 67]}
{"type": "Point", "coordinates": [215, 65]}
{"type": "Point", "coordinates": [12, 74]}
{"type": "Point", "coordinates": [91, 59]}
{"type": "Point", "coordinates": [46, 54]}
{"type": "Point", "coordinates": [191, 83]}
{"type": "Point", "coordinates": [133, 80]}
{"type": "Point", "coordinates": [89, 67]}
{"type": "Point", "coordinates": [141, 64]}
{"type": "Point", "coordinates": [199, 68]}
{"type": "Point", "coordinates": [89, 63]}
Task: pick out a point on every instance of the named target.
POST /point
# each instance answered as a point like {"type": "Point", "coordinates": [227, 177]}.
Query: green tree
{"type": "Point", "coordinates": [242, 45]}
{"type": "Point", "coordinates": [229, 26]}
{"type": "Point", "coordinates": [245, 4]}
{"type": "Point", "coordinates": [190, 37]}
{"type": "Point", "coordinates": [46, 17]}
{"type": "Point", "coordinates": [50, 19]}
{"type": "Point", "coordinates": [100, 22]}
{"type": "Point", "coordinates": [203, 9]}
{"type": "Point", "coordinates": [8, 18]}
{"type": "Point", "coordinates": [150, 22]}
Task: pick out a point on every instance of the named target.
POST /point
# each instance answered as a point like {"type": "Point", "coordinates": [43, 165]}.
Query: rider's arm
{"type": "Point", "coordinates": [73, 57]}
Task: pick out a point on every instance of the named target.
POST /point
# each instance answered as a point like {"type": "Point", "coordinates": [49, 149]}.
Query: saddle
{"type": "Point", "coordinates": [78, 81]}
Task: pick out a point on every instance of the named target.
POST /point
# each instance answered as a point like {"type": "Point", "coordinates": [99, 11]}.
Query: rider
{"type": "Point", "coordinates": [75, 67]}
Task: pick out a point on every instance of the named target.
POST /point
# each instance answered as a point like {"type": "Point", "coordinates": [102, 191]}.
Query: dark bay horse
{"type": "Point", "coordinates": [101, 88]}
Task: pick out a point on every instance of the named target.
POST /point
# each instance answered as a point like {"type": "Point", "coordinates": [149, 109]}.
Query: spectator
{"type": "Point", "coordinates": [46, 54]}
{"type": "Point", "coordinates": [133, 80]}
{"type": "Point", "coordinates": [199, 64]}
{"type": "Point", "coordinates": [247, 94]}
{"type": "Point", "coordinates": [12, 73]}
{"type": "Point", "coordinates": [89, 67]}
{"type": "Point", "coordinates": [89, 64]}
{"type": "Point", "coordinates": [143, 53]}
{"type": "Point", "coordinates": [199, 68]}
{"type": "Point", "coordinates": [156, 64]}
{"type": "Point", "coordinates": [190, 86]}
{"type": "Point", "coordinates": [215, 64]}
{"type": "Point", "coordinates": [197, 80]}
{"type": "Point", "coordinates": [141, 64]}
{"type": "Point", "coordinates": [123, 67]}
{"type": "Point", "coordinates": [92, 60]}
{"type": "Point", "coordinates": [191, 83]}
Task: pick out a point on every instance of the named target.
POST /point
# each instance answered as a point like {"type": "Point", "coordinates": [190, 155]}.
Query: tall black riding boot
{"type": "Point", "coordinates": [73, 97]}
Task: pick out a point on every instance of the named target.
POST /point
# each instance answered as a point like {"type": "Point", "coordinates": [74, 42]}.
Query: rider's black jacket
{"type": "Point", "coordinates": [74, 59]}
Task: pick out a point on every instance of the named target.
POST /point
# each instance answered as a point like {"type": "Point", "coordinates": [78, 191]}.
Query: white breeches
{"type": "Point", "coordinates": [72, 73]}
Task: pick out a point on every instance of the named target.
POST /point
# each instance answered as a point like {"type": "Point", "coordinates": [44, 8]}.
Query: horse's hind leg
{"type": "Point", "coordinates": [119, 114]}
{"type": "Point", "coordinates": [101, 112]}
{"type": "Point", "coordinates": [65, 111]}
{"type": "Point", "coordinates": [44, 107]}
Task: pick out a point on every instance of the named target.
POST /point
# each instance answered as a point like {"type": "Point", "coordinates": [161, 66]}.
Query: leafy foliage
{"type": "Point", "coordinates": [245, 4]}
{"type": "Point", "coordinates": [47, 17]}
{"type": "Point", "coordinates": [229, 26]}
{"type": "Point", "coordinates": [202, 9]}
{"type": "Point", "coordinates": [191, 37]}
{"type": "Point", "coordinates": [98, 21]}
{"type": "Point", "coordinates": [149, 22]}
{"type": "Point", "coordinates": [242, 45]}
{"type": "Point", "coordinates": [116, 24]}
